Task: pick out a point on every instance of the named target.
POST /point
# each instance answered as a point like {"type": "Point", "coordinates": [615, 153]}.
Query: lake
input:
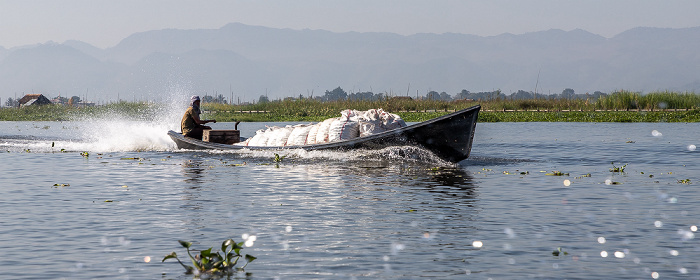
{"type": "Point", "coordinates": [534, 200]}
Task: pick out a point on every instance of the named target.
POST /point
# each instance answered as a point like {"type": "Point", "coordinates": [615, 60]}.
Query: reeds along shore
{"type": "Point", "coordinates": [622, 106]}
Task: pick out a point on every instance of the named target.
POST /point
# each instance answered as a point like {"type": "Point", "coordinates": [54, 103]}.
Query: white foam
{"type": "Point", "coordinates": [114, 132]}
{"type": "Point", "coordinates": [121, 135]}
{"type": "Point", "coordinates": [398, 153]}
{"type": "Point", "coordinates": [107, 132]}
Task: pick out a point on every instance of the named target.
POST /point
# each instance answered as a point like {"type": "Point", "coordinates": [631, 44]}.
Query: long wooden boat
{"type": "Point", "coordinates": [449, 137]}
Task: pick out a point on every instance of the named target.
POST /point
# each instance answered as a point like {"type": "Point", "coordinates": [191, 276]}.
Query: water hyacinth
{"type": "Point", "coordinates": [211, 264]}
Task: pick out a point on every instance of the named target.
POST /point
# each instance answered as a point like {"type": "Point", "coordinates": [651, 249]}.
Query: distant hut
{"type": "Point", "coordinates": [34, 99]}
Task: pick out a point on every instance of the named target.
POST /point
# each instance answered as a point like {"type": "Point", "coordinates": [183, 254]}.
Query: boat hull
{"type": "Point", "coordinates": [450, 137]}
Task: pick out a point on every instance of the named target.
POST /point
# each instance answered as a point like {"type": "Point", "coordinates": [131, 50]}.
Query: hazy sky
{"type": "Point", "coordinates": [104, 23]}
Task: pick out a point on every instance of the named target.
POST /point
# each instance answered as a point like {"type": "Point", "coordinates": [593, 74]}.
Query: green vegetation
{"type": "Point", "coordinates": [211, 264]}
{"type": "Point", "coordinates": [559, 252]}
{"type": "Point", "coordinates": [684, 181]}
{"type": "Point", "coordinates": [557, 173]}
{"type": "Point", "coordinates": [58, 112]}
{"type": "Point", "coordinates": [618, 169]}
{"type": "Point", "coordinates": [621, 106]}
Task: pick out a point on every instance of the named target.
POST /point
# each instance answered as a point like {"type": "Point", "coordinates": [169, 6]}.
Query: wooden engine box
{"type": "Point", "coordinates": [222, 136]}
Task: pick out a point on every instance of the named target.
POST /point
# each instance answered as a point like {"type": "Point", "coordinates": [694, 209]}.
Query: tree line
{"type": "Point", "coordinates": [338, 94]}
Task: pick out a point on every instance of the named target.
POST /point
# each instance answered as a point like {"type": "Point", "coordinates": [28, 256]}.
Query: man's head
{"type": "Point", "coordinates": [194, 100]}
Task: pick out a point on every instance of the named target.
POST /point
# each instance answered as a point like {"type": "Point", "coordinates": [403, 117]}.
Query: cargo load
{"type": "Point", "coordinates": [350, 125]}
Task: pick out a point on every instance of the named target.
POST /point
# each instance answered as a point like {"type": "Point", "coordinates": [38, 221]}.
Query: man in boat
{"type": "Point", "coordinates": [192, 125]}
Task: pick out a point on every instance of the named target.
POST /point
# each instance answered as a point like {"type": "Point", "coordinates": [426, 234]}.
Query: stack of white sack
{"type": "Point", "coordinates": [350, 125]}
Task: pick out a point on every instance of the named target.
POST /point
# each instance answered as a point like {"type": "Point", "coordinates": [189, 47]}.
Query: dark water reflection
{"type": "Point", "coordinates": [328, 214]}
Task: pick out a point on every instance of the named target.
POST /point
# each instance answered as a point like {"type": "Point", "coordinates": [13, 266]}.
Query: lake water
{"type": "Point", "coordinates": [115, 213]}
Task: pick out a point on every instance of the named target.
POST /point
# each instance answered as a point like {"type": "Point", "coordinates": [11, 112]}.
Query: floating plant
{"type": "Point", "coordinates": [559, 252]}
{"type": "Point", "coordinates": [620, 169]}
{"type": "Point", "coordinates": [216, 264]}
{"type": "Point", "coordinates": [279, 158]}
{"type": "Point", "coordinates": [684, 181]}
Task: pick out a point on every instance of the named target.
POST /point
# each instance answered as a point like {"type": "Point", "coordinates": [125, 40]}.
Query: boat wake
{"type": "Point", "coordinates": [406, 154]}
{"type": "Point", "coordinates": [95, 136]}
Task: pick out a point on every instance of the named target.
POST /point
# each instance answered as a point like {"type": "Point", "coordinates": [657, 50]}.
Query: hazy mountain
{"type": "Point", "coordinates": [249, 61]}
{"type": "Point", "coordinates": [3, 53]}
{"type": "Point", "coordinates": [86, 48]}
{"type": "Point", "coordinates": [53, 68]}
{"type": "Point", "coordinates": [160, 75]}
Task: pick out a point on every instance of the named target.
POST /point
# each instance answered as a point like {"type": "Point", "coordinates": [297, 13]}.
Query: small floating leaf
{"type": "Point", "coordinates": [206, 253]}
{"type": "Point", "coordinates": [225, 245]}
{"type": "Point", "coordinates": [170, 256]}
{"type": "Point", "coordinates": [250, 258]}
{"type": "Point", "coordinates": [185, 243]}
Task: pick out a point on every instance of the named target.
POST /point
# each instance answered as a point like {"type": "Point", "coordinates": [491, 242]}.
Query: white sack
{"type": "Point", "coordinates": [370, 122]}
{"type": "Point", "coordinates": [370, 127]}
{"type": "Point", "coordinates": [343, 128]}
{"type": "Point", "coordinates": [278, 136]}
{"type": "Point", "coordinates": [322, 133]}
{"type": "Point", "coordinates": [311, 137]}
{"type": "Point", "coordinates": [391, 121]}
{"type": "Point", "coordinates": [299, 135]}
{"type": "Point", "coordinates": [260, 139]}
{"type": "Point", "coordinates": [371, 115]}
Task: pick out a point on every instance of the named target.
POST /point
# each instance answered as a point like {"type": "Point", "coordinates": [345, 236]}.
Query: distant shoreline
{"type": "Point", "coordinates": [499, 116]}
{"type": "Point", "coordinates": [620, 106]}
{"type": "Point", "coordinates": [485, 116]}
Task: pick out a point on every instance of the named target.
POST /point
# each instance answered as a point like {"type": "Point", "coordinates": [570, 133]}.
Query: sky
{"type": "Point", "coordinates": [103, 23]}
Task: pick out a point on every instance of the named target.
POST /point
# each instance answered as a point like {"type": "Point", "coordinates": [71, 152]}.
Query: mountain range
{"type": "Point", "coordinates": [244, 62]}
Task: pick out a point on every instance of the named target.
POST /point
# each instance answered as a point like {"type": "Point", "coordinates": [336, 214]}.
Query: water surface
{"type": "Point", "coordinates": [354, 215]}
